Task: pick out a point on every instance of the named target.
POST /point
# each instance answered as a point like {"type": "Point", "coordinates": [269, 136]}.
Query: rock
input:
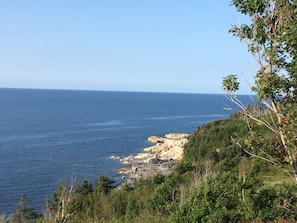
{"type": "Point", "coordinates": [155, 160]}
{"type": "Point", "coordinates": [160, 157]}
{"type": "Point", "coordinates": [134, 169]}
{"type": "Point", "coordinates": [124, 171]}
{"type": "Point", "coordinates": [176, 136]}
{"type": "Point", "coordinates": [155, 139]}
{"type": "Point", "coordinates": [169, 147]}
{"type": "Point", "coordinates": [127, 160]}
{"type": "Point", "coordinates": [156, 148]}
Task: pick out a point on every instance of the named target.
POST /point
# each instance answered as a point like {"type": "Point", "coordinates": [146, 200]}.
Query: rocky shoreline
{"type": "Point", "coordinates": [159, 158]}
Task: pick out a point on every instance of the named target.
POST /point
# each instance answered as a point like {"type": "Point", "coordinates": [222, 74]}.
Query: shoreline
{"type": "Point", "coordinates": [159, 158]}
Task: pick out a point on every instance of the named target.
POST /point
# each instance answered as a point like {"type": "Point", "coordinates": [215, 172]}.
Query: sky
{"type": "Point", "coordinates": [121, 45]}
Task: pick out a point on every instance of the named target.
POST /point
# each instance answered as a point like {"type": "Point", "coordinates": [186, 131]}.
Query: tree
{"type": "Point", "coordinates": [271, 38]}
{"type": "Point", "coordinates": [104, 184]}
{"type": "Point", "coordinates": [23, 213]}
{"type": "Point", "coordinates": [58, 208]}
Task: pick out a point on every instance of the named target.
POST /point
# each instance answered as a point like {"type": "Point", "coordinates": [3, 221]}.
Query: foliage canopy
{"type": "Point", "coordinates": [271, 38]}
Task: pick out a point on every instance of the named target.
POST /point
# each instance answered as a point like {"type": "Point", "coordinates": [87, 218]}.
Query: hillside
{"type": "Point", "coordinates": [214, 182]}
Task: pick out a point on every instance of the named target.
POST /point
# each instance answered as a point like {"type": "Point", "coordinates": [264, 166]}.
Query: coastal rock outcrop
{"type": "Point", "coordinates": [160, 157]}
{"type": "Point", "coordinates": [170, 147]}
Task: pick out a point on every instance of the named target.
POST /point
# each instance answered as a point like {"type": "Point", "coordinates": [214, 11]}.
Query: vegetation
{"type": "Point", "coordinates": [215, 182]}
{"type": "Point", "coordinates": [232, 168]}
{"type": "Point", "coordinates": [271, 39]}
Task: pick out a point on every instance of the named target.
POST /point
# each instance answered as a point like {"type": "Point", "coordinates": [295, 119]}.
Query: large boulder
{"type": "Point", "coordinates": [155, 139]}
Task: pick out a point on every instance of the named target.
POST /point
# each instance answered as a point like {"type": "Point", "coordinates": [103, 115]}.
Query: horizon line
{"type": "Point", "coordinates": [124, 91]}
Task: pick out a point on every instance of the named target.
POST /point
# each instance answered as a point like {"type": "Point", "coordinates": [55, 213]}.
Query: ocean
{"type": "Point", "coordinates": [47, 136]}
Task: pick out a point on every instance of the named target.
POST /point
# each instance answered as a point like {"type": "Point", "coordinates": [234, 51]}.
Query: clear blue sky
{"type": "Point", "coordinates": [130, 45]}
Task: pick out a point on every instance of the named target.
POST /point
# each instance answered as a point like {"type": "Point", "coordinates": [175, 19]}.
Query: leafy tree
{"type": "Point", "coordinates": [271, 38]}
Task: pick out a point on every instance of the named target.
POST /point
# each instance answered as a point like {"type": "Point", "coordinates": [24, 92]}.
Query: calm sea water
{"type": "Point", "coordinates": [47, 136]}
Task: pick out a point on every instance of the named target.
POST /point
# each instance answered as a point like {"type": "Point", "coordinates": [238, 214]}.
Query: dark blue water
{"type": "Point", "coordinates": [51, 135]}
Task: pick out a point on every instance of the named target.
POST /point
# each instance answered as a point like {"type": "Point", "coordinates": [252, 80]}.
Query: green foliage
{"type": "Point", "coordinates": [227, 198]}
{"type": "Point", "coordinates": [218, 199]}
{"type": "Point", "coordinates": [104, 184]}
{"type": "Point", "coordinates": [84, 189]}
{"type": "Point", "coordinates": [213, 141]}
{"type": "Point", "coordinates": [250, 7]}
{"type": "Point", "coordinates": [81, 198]}
{"type": "Point", "coordinates": [182, 168]}
{"type": "Point", "coordinates": [59, 208]}
{"type": "Point", "coordinates": [132, 209]}
{"type": "Point", "coordinates": [160, 201]}
{"type": "Point", "coordinates": [158, 179]}
{"type": "Point", "coordinates": [271, 39]}
{"type": "Point", "coordinates": [230, 83]}
{"type": "Point", "coordinates": [277, 201]}
{"type": "Point", "coordinates": [23, 213]}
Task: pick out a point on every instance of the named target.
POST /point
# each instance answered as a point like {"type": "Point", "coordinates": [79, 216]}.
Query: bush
{"type": "Point", "coordinates": [279, 201]}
